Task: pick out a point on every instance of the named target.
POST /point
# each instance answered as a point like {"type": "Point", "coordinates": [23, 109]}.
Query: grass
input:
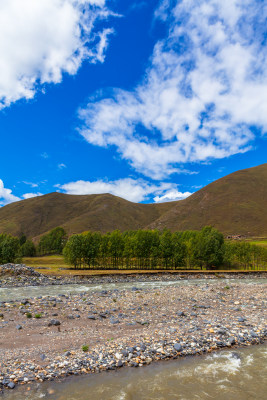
{"type": "Point", "coordinates": [56, 266]}
{"type": "Point", "coordinates": [259, 242]}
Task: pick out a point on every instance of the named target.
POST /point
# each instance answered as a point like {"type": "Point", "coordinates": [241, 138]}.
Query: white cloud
{"type": "Point", "coordinates": [62, 166]}
{"type": "Point", "coordinates": [30, 195]}
{"type": "Point", "coordinates": [32, 184]}
{"type": "Point", "coordinates": [205, 88]}
{"type": "Point", "coordinates": [6, 195]}
{"type": "Point", "coordinates": [130, 189]}
{"type": "Point", "coordinates": [42, 40]}
{"type": "Point", "coordinates": [45, 155]}
{"type": "Point", "coordinates": [172, 195]}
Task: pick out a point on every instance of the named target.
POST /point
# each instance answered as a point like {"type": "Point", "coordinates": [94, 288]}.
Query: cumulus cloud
{"type": "Point", "coordinates": [42, 40]}
{"type": "Point", "coordinates": [205, 88]}
{"type": "Point", "coordinates": [6, 195]}
{"type": "Point", "coordinates": [172, 195]}
{"type": "Point", "coordinates": [128, 188]}
{"type": "Point", "coordinates": [30, 195]}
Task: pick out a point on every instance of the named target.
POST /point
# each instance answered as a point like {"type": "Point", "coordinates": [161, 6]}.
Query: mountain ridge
{"type": "Point", "coordinates": [234, 204]}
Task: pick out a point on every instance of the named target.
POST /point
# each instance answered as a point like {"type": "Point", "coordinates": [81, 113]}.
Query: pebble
{"type": "Point", "coordinates": [155, 329]}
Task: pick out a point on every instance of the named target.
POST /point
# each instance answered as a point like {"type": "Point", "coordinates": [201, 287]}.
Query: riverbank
{"type": "Point", "coordinates": [20, 275]}
{"type": "Point", "coordinates": [91, 332]}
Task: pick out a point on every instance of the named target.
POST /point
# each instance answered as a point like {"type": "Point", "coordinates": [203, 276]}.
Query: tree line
{"type": "Point", "coordinates": [12, 249]}
{"type": "Point", "coordinates": [152, 249]}
{"type": "Point", "coordinates": [141, 249]}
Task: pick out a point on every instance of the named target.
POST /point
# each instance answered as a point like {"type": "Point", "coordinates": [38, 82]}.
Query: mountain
{"type": "Point", "coordinates": [77, 213]}
{"type": "Point", "coordinates": [235, 204]}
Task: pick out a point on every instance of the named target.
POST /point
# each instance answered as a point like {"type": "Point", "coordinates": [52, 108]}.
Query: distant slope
{"type": "Point", "coordinates": [77, 213]}
{"type": "Point", "coordinates": [235, 204]}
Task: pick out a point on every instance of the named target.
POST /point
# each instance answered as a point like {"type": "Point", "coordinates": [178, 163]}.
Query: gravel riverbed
{"type": "Point", "coordinates": [50, 337]}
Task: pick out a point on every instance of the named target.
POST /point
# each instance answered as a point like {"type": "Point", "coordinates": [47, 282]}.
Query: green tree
{"type": "Point", "coordinates": [9, 249]}
{"type": "Point", "coordinates": [209, 247]}
{"type": "Point", "coordinates": [167, 248]}
{"type": "Point", "coordinates": [28, 249]}
{"type": "Point", "coordinates": [116, 247]}
{"type": "Point", "coordinates": [53, 242]}
{"type": "Point", "coordinates": [74, 251]}
{"type": "Point", "coordinates": [92, 243]}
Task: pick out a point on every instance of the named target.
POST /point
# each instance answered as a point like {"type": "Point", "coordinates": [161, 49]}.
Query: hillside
{"type": "Point", "coordinates": [77, 213]}
{"type": "Point", "coordinates": [235, 204]}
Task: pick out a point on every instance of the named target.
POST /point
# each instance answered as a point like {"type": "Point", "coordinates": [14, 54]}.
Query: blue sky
{"type": "Point", "coordinates": [148, 100]}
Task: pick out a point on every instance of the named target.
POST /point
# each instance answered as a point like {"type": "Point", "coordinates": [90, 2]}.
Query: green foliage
{"type": "Point", "coordinates": [151, 249]}
{"type": "Point", "coordinates": [38, 316]}
{"type": "Point", "coordinates": [85, 348]}
{"type": "Point", "coordinates": [28, 249]}
{"type": "Point", "coordinates": [53, 242]}
{"type": "Point", "coordinates": [209, 247]}
{"type": "Point", "coordinates": [74, 251]}
{"type": "Point", "coordinates": [9, 249]}
{"type": "Point", "coordinates": [244, 254]}
{"type": "Point", "coordinates": [22, 239]}
{"type": "Point", "coordinates": [29, 315]}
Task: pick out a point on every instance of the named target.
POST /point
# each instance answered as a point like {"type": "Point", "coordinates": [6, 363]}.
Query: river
{"type": "Point", "coordinates": [18, 293]}
{"type": "Point", "coordinates": [239, 374]}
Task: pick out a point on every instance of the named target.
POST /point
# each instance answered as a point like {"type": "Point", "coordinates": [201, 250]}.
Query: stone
{"type": "Point", "coordinates": [178, 347]}
{"type": "Point", "coordinates": [11, 385]}
{"type": "Point", "coordinates": [231, 340]}
{"type": "Point", "coordinates": [54, 322]}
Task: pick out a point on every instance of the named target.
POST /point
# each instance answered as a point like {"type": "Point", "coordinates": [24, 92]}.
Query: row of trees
{"type": "Point", "coordinates": [142, 249]}
{"type": "Point", "coordinates": [12, 249]}
{"type": "Point", "coordinates": [151, 249]}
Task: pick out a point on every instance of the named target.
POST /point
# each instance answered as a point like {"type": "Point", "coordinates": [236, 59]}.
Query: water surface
{"type": "Point", "coordinates": [19, 293]}
{"type": "Point", "coordinates": [226, 375]}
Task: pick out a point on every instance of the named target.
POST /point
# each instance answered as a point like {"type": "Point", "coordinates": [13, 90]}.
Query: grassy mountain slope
{"type": "Point", "coordinates": [235, 204]}
{"type": "Point", "coordinates": [76, 213]}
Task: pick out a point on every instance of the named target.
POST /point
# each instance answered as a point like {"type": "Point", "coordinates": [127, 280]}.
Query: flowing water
{"type": "Point", "coordinates": [19, 293]}
{"type": "Point", "coordinates": [225, 375]}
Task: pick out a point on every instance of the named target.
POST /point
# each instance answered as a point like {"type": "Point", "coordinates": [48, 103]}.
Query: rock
{"type": "Point", "coordinates": [18, 327]}
{"type": "Point", "coordinates": [253, 334]}
{"type": "Point", "coordinates": [11, 385]}
{"type": "Point", "coordinates": [54, 322]}
{"type": "Point", "coordinates": [91, 317]}
{"type": "Point", "coordinates": [231, 341]}
{"type": "Point", "coordinates": [181, 314]}
{"type": "Point", "coordinates": [119, 364]}
{"type": "Point", "coordinates": [241, 319]}
{"type": "Point", "coordinates": [114, 321]}
{"type": "Point", "coordinates": [177, 347]}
